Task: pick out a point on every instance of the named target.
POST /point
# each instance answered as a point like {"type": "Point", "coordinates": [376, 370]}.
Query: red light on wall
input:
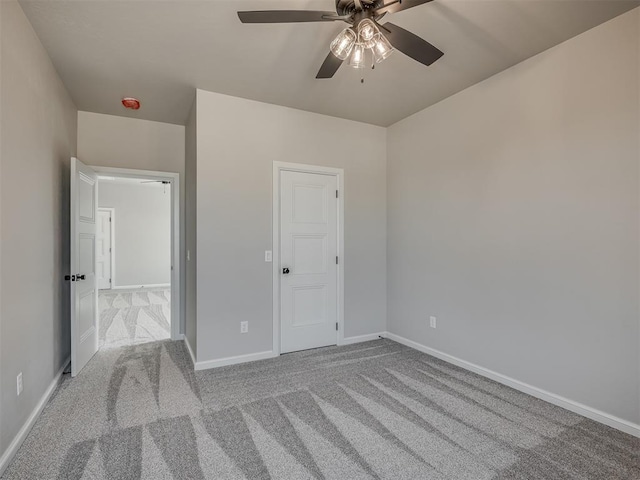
{"type": "Point", "coordinates": [130, 102]}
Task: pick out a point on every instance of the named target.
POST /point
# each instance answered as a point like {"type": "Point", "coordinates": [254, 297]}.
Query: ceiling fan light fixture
{"type": "Point", "coordinates": [357, 57]}
{"type": "Point", "coordinates": [342, 45]}
{"type": "Point", "coordinates": [381, 48]}
{"type": "Point", "coordinates": [364, 32]}
{"type": "Point", "coordinates": [367, 32]}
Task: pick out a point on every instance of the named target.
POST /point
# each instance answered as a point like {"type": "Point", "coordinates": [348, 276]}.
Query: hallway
{"type": "Point", "coordinates": [132, 317]}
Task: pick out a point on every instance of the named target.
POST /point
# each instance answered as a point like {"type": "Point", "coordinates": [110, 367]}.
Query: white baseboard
{"type": "Point", "coordinates": [223, 362]}
{"type": "Point", "coordinates": [193, 357]}
{"type": "Point", "coordinates": [362, 338]}
{"type": "Point", "coordinates": [20, 437]}
{"type": "Point", "coordinates": [252, 357]}
{"type": "Point", "coordinates": [576, 407]}
{"type": "Point", "coordinates": [138, 287]}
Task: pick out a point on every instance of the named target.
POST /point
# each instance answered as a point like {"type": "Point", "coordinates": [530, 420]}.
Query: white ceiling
{"type": "Point", "coordinates": [159, 51]}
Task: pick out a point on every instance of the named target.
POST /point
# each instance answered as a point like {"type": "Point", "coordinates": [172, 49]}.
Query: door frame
{"type": "Point", "coordinates": [174, 181]}
{"type": "Point", "coordinates": [112, 228]}
{"type": "Point", "coordinates": [321, 170]}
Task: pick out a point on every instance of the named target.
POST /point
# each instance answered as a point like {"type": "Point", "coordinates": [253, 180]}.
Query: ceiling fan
{"type": "Point", "coordinates": [364, 34]}
{"type": "Point", "coordinates": [163, 182]}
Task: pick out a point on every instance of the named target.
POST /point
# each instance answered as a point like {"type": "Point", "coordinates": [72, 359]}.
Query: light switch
{"type": "Point", "coordinates": [268, 256]}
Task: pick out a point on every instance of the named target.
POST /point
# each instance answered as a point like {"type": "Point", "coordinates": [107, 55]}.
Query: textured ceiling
{"type": "Point", "coordinates": [159, 51]}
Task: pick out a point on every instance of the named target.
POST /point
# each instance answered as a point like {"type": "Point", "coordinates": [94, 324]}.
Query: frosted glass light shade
{"type": "Point", "coordinates": [343, 44]}
{"type": "Point", "coordinates": [381, 48]}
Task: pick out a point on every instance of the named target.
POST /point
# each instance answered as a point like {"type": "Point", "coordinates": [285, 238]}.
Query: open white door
{"type": "Point", "coordinates": [84, 281]}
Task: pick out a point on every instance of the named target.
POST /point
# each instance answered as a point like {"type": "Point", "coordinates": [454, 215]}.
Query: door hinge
{"type": "Point", "coordinates": [336, 326]}
{"type": "Point", "coordinates": [109, 280]}
{"type": "Point", "coordinates": [109, 219]}
{"type": "Point", "coordinates": [336, 193]}
{"type": "Point", "coordinates": [336, 260]}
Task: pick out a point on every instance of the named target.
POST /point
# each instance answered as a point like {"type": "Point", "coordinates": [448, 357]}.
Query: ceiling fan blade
{"type": "Point", "coordinates": [399, 6]}
{"type": "Point", "coordinates": [287, 16]}
{"type": "Point", "coordinates": [411, 45]}
{"type": "Point", "coordinates": [329, 67]}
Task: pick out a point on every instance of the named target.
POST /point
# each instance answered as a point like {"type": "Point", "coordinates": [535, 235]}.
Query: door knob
{"type": "Point", "coordinates": [285, 271]}
{"type": "Point", "coordinates": [80, 277]}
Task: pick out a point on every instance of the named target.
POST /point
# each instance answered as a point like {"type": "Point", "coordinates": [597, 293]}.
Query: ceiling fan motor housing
{"type": "Point", "coordinates": [348, 7]}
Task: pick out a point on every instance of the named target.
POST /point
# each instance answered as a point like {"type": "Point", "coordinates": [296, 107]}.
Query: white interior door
{"type": "Point", "coordinates": [84, 281]}
{"type": "Point", "coordinates": [308, 260]}
{"type": "Point", "coordinates": [104, 250]}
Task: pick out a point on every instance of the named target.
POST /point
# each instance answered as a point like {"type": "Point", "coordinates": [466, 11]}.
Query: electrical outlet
{"type": "Point", "coordinates": [19, 383]}
{"type": "Point", "coordinates": [433, 322]}
{"type": "Point", "coordinates": [244, 327]}
{"type": "Point", "coordinates": [268, 256]}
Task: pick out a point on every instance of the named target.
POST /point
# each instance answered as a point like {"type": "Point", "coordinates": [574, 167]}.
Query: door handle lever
{"type": "Point", "coordinates": [285, 271]}
{"type": "Point", "coordinates": [80, 277]}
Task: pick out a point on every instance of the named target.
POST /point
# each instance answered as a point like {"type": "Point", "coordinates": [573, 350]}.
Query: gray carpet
{"type": "Point", "coordinates": [371, 410]}
{"type": "Point", "coordinates": [132, 317]}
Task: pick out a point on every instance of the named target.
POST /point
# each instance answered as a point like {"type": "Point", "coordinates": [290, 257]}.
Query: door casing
{"type": "Point", "coordinates": [112, 261]}
{"type": "Point", "coordinates": [303, 168]}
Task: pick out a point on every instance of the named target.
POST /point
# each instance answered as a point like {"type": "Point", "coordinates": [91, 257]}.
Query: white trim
{"type": "Point", "coordinates": [576, 407]}
{"type": "Point", "coordinates": [112, 234]}
{"type": "Point", "coordinates": [275, 209]}
{"type": "Point", "coordinates": [223, 362]}
{"type": "Point", "coordinates": [193, 357]}
{"type": "Point", "coordinates": [20, 437]}
{"type": "Point", "coordinates": [363, 338]}
{"type": "Point", "coordinates": [139, 287]}
{"type": "Point", "coordinates": [252, 357]}
{"type": "Point", "coordinates": [176, 265]}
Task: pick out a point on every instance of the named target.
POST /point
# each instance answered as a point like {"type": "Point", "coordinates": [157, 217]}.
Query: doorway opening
{"type": "Point", "coordinates": [85, 251]}
{"type": "Point", "coordinates": [133, 260]}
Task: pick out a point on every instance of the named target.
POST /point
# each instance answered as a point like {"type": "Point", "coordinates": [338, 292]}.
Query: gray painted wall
{"type": "Point", "coordinates": [110, 141]}
{"type": "Point", "coordinates": [38, 125]}
{"type": "Point", "coordinates": [190, 221]}
{"type": "Point", "coordinates": [142, 231]}
{"type": "Point", "coordinates": [513, 218]}
{"type": "Point", "coordinates": [238, 141]}
{"type": "Point", "coordinates": [2, 446]}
